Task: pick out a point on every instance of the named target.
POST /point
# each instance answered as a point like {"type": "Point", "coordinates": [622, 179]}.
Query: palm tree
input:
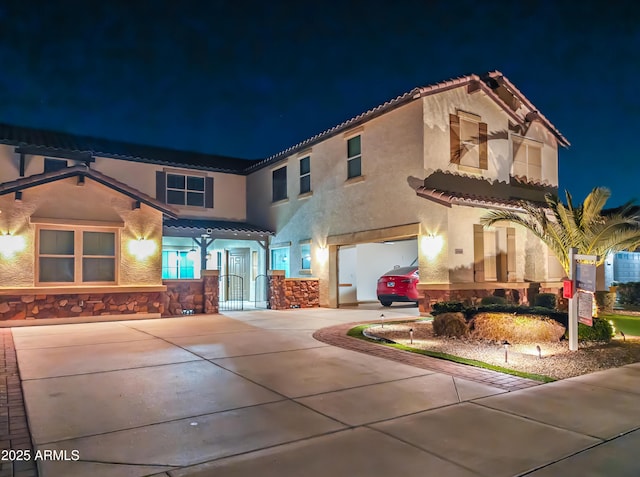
{"type": "Point", "coordinates": [585, 227]}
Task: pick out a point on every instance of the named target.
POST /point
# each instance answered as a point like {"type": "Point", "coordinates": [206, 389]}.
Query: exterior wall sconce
{"type": "Point", "coordinates": [322, 254]}
{"type": "Point", "coordinates": [11, 244]}
{"type": "Point", "coordinates": [142, 248]}
{"type": "Point", "coordinates": [432, 245]}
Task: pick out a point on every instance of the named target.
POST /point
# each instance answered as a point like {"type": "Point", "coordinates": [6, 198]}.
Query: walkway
{"type": "Point", "coordinates": [337, 336]}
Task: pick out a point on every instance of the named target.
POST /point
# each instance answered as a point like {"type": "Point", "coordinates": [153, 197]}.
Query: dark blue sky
{"type": "Point", "coordinates": [249, 79]}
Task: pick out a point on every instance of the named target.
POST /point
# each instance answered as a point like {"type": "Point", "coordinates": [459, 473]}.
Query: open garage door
{"type": "Point", "coordinates": [361, 265]}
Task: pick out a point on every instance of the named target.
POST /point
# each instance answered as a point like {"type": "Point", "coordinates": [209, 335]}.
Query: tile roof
{"type": "Point", "coordinates": [45, 141]}
{"type": "Point", "coordinates": [485, 82]}
{"type": "Point", "coordinates": [52, 141]}
{"type": "Point", "coordinates": [460, 198]}
{"type": "Point", "coordinates": [200, 226]}
{"type": "Point", "coordinates": [76, 171]}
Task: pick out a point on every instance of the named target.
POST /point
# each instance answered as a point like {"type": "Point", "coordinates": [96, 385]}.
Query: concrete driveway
{"type": "Point", "coordinates": [252, 393]}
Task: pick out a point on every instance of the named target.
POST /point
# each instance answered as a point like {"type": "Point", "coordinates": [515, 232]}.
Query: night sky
{"type": "Point", "coordinates": [249, 79]}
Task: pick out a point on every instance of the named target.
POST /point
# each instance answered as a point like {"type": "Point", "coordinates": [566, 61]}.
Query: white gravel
{"type": "Point", "coordinates": [557, 361]}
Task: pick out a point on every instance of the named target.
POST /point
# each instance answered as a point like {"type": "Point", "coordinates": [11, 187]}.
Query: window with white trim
{"type": "Point", "coordinates": [305, 255]}
{"type": "Point", "coordinates": [280, 259]}
{"type": "Point", "coordinates": [527, 158]}
{"type": "Point", "coordinates": [76, 256]}
{"type": "Point", "coordinates": [305, 175]}
{"type": "Point", "coordinates": [354, 157]}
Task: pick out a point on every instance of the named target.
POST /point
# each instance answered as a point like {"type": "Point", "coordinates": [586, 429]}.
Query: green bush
{"type": "Point", "coordinates": [629, 293]}
{"type": "Point", "coordinates": [450, 324]}
{"type": "Point", "coordinates": [493, 300]}
{"type": "Point", "coordinates": [600, 331]}
{"type": "Point", "coordinates": [545, 300]}
{"type": "Point", "coordinates": [447, 307]}
{"type": "Point", "coordinates": [605, 301]}
{"type": "Point", "coordinates": [499, 326]}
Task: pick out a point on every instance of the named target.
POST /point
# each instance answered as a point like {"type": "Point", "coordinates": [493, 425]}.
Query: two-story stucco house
{"type": "Point", "coordinates": [404, 183]}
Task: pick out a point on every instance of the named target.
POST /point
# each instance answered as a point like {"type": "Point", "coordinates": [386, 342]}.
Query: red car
{"type": "Point", "coordinates": [398, 284]}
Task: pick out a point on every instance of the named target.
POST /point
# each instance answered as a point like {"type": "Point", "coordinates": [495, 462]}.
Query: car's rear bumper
{"type": "Point", "coordinates": [391, 297]}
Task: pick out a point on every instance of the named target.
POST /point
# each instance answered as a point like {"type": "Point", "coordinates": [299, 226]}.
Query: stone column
{"type": "Point", "coordinates": [277, 300]}
{"type": "Point", "coordinates": [210, 290]}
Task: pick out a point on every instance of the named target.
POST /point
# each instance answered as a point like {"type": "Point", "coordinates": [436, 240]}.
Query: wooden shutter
{"type": "Point", "coordinates": [484, 152]}
{"type": "Point", "coordinates": [161, 186]}
{"type": "Point", "coordinates": [454, 132]}
{"type": "Point", "coordinates": [478, 253]}
{"type": "Point", "coordinates": [511, 254]}
{"type": "Point", "coordinates": [208, 193]}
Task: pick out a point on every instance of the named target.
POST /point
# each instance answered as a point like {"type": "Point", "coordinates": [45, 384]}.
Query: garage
{"type": "Point", "coordinates": [361, 265]}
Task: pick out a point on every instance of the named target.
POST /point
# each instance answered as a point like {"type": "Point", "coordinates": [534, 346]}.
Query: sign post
{"type": "Point", "coordinates": [582, 273]}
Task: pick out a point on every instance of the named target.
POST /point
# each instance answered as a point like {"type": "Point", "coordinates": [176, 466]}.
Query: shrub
{"type": "Point", "coordinates": [605, 301]}
{"type": "Point", "coordinates": [545, 300]}
{"type": "Point", "coordinates": [600, 331]}
{"type": "Point", "coordinates": [450, 324]}
{"type": "Point", "coordinates": [560, 317]}
{"type": "Point", "coordinates": [629, 293]}
{"type": "Point", "coordinates": [516, 328]}
{"type": "Point", "coordinates": [493, 300]}
{"type": "Point", "coordinates": [447, 307]}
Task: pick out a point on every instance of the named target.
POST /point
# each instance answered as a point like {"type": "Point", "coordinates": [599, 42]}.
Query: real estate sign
{"type": "Point", "coordinates": [585, 308]}
{"type": "Point", "coordinates": [586, 276]}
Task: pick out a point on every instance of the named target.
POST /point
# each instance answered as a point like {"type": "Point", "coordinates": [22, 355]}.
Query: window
{"type": "Point", "coordinates": [177, 264]}
{"type": "Point", "coordinates": [305, 254]}
{"type": "Point", "coordinates": [51, 165]}
{"type": "Point", "coordinates": [494, 252]}
{"type": "Point", "coordinates": [468, 137]}
{"type": "Point", "coordinates": [184, 189]}
{"type": "Point", "coordinates": [354, 157]}
{"type": "Point", "coordinates": [76, 256]}
{"type": "Point", "coordinates": [280, 260]}
{"type": "Point", "coordinates": [305, 175]}
{"type": "Point", "coordinates": [527, 158]}
{"type": "Point", "coordinates": [280, 184]}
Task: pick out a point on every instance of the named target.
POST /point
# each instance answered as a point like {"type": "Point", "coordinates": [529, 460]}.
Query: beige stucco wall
{"type": "Point", "coordinates": [500, 161]}
{"type": "Point", "coordinates": [392, 165]}
{"type": "Point", "coordinates": [229, 200]}
{"type": "Point", "coordinates": [93, 203]}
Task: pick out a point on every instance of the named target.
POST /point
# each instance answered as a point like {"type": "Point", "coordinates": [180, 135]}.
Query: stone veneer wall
{"type": "Point", "coordinates": [287, 293]}
{"type": "Point", "coordinates": [200, 295]}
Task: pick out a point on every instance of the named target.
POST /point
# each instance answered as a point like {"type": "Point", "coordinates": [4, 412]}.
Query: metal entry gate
{"type": "Point", "coordinates": [230, 293]}
{"type": "Point", "coordinates": [261, 292]}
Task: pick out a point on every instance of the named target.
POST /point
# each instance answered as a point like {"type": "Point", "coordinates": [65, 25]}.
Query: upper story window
{"type": "Point", "coordinates": [527, 158]}
{"type": "Point", "coordinates": [51, 165]}
{"type": "Point", "coordinates": [305, 175]}
{"type": "Point", "coordinates": [76, 256]}
{"type": "Point", "coordinates": [354, 157]}
{"type": "Point", "coordinates": [180, 189]}
{"type": "Point", "coordinates": [279, 186]}
{"type": "Point", "coordinates": [468, 136]}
